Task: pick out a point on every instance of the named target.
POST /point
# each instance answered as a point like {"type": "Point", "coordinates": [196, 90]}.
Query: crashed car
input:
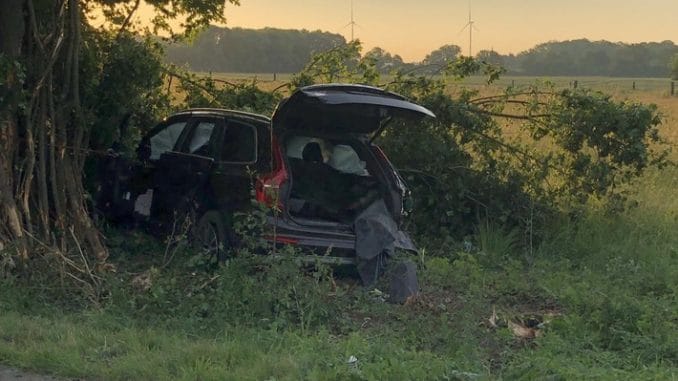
{"type": "Point", "coordinates": [314, 162]}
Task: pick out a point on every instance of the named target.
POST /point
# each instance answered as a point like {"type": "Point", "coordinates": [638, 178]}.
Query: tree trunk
{"type": "Point", "coordinates": [12, 30]}
{"type": "Point", "coordinates": [42, 132]}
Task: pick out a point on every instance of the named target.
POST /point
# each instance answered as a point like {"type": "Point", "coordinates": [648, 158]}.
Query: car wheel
{"type": "Point", "coordinates": [210, 238]}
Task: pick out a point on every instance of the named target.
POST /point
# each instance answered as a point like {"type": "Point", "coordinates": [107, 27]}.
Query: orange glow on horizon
{"type": "Point", "coordinates": [413, 29]}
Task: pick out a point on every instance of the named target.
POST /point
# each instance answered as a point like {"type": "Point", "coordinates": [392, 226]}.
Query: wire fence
{"type": "Point", "coordinates": [663, 85]}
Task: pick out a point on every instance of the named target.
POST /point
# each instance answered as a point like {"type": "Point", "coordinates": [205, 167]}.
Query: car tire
{"type": "Point", "coordinates": [210, 237]}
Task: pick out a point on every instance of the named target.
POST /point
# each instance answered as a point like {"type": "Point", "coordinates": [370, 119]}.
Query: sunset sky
{"type": "Point", "coordinates": [413, 28]}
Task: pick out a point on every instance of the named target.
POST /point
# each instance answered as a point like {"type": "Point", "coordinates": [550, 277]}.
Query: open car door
{"type": "Point", "coordinates": [181, 176]}
{"type": "Point", "coordinates": [179, 181]}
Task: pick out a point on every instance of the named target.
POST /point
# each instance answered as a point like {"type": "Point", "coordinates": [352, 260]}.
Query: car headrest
{"type": "Point", "coordinates": [312, 153]}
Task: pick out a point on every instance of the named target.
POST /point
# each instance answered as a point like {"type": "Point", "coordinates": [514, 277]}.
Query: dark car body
{"type": "Point", "coordinates": [209, 163]}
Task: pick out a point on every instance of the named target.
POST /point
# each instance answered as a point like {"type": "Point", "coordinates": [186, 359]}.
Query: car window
{"type": "Point", "coordinates": [202, 133]}
{"type": "Point", "coordinates": [240, 143]}
{"type": "Point", "coordinates": [165, 139]}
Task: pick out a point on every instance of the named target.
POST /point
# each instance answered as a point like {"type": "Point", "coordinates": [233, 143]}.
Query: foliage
{"type": "Point", "coordinates": [384, 61]}
{"type": "Point", "coordinates": [11, 74]}
{"type": "Point", "coordinates": [61, 77]}
{"type": "Point", "coordinates": [195, 15]}
{"type": "Point", "coordinates": [440, 57]}
{"type": "Point", "coordinates": [267, 50]}
{"type": "Point", "coordinates": [593, 58]}
{"type": "Point", "coordinates": [124, 86]}
{"type": "Point", "coordinates": [602, 287]}
{"type": "Point", "coordinates": [674, 67]}
{"type": "Point", "coordinates": [602, 291]}
{"type": "Point", "coordinates": [573, 145]}
{"type": "Point", "coordinates": [341, 64]}
{"type": "Point", "coordinates": [286, 51]}
{"type": "Point", "coordinates": [249, 290]}
{"type": "Point", "coordinates": [491, 57]}
{"type": "Point", "coordinates": [206, 91]}
{"type": "Point", "coordinates": [603, 143]}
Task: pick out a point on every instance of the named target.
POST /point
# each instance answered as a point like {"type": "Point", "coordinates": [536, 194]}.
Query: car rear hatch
{"type": "Point", "coordinates": [339, 108]}
{"type": "Point", "coordinates": [355, 111]}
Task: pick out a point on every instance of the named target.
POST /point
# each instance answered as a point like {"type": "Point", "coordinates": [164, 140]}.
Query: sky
{"type": "Point", "coordinates": [413, 28]}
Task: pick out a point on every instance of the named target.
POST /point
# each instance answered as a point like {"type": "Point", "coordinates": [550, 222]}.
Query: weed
{"type": "Point", "coordinates": [597, 297]}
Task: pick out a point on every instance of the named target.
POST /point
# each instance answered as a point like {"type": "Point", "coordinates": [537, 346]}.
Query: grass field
{"type": "Point", "coordinates": [660, 86]}
{"type": "Point", "coordinates": [594, 300]}
{"type": "Point", "coordinates": [647, 90]}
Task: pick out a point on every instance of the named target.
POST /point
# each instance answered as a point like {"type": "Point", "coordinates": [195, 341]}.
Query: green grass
{"type": "Point", "coordinates": [69, 347]}
{"type": "Point", "coordinates": [604, 290]}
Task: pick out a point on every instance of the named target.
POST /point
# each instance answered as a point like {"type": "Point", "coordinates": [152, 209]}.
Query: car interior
{"type": "Point", "coordinates": [330, 181]}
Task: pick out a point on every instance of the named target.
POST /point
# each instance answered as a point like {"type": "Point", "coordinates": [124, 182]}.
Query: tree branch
{"type": "Point", "coordinates": [128, 19]}
{"type": "Point", "coordinates": [510, 116]}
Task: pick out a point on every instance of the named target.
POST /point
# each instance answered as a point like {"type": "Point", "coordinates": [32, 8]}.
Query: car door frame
{"type": "Point", "coordinates": [232, 181]}
{"type": "Point", "coordinates": [180, 179]}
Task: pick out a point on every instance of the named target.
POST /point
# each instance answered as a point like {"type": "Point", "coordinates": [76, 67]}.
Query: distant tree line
{"type": "Point", "coordinates": [594, 58]}
{"type": "Point", "coordinates": [285, 51]}
{"type": "Point", "coordinates": [566, 58]}
{"type": "Point", "coordinates": [266, 50]}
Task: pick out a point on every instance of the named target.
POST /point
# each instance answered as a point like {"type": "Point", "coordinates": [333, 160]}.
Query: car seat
{"type": "Point", "coordinates": [312, 153]}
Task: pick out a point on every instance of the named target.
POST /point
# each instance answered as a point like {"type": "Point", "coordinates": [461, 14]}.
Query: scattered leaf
{"type": "Point", "coordinates": [142, 282]}
{"type": "Point", "coordinates": [493, 318]}
{"type": "Point", "coordinates": [522, 331]}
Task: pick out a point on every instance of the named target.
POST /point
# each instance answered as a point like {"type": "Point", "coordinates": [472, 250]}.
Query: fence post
{"type": "Point", "coordinates": [274, 76]}
{"type": "Point", "coordinates": [634, 85]}
{"type": "Point", "coordinates": [169, 84]}
{"type": "Point", "coordinates": [575, 83]}
{"type": "Point", "coordinates": [673, 88]}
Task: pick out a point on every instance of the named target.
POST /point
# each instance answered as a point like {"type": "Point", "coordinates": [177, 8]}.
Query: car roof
{"type": "Point", "coordinates": [223, 112]}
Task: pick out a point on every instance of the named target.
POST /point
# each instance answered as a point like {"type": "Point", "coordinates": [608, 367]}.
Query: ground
{"type": "Point", "coordinates": [13, 374]}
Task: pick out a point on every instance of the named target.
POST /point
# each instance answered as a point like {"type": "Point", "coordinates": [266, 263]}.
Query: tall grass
{"type": "Point", "coordinates": [603, 290]}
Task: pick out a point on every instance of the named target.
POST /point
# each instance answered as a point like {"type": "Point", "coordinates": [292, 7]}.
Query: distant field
{"type": "Point", "coordinates": [598, 83]}
{"type": "Point", "coordinates": [647, 90]}
{"type": "Point", "coordinates": [662, 85]}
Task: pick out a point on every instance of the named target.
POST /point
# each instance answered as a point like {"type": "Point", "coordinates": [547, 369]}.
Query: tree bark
{"type": "Point", "coordinates": [41, 191]}
{"type": "Point", "coordinates": [12, 29]}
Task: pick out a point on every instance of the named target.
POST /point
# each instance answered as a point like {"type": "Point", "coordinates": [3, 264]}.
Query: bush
{"type": "Point", "coordinates": [573, 146]}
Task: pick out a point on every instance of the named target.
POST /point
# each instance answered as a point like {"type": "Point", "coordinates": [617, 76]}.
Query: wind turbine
{"type": "Point", "coordinates": [353, 24]}
{"type": "Point", "coordinates": [470, 25]}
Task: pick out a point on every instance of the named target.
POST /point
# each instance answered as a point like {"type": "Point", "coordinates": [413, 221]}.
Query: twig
{"type": "Point", "coordinates": [509, 116]}
{"type": "Point", "coordinates": [224, 82]}
{"type": "Point", "coordinates": [128, 19]}
{"type": "Point", "coordinates": [212, 279]}
{"type": "Point", "coordinates": [84, 259]}
{"type": "Point", "coordinates": [280, 87]}
{"type": "Point", "coordinates": [170, 239]}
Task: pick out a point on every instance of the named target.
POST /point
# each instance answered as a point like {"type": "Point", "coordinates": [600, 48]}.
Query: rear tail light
{"type": "Point", "coordinates": [268, 185]}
